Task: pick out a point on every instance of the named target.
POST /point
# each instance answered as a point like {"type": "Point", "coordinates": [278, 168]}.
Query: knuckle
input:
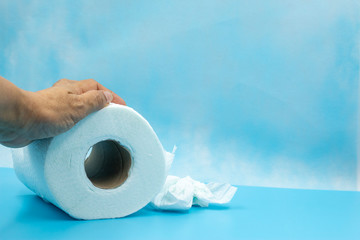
{"type": "Point", "coordinates": [99, 98]}
{"type": "Point", "coordinates": [89, 81]}
{"type": "Point", "coordinates": [78, 106]}
{"type": "Point", "coordinates": [61, 81]}
{"type": "Point", "coordinates": [92, 82]}
{"type": "Point", "coordinates": [76, 102]}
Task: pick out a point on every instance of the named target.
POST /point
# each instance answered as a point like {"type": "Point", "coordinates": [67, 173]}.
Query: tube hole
{"type": "Point", "coordinates": [107, 164]}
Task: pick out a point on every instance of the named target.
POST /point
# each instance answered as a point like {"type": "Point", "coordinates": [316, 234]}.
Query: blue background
{"type": "Point", "coordinates": [254, 213]}
{"type": "Point", "coordinates": [252, 92]}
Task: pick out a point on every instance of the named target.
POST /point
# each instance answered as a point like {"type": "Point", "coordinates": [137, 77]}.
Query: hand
{"type": "Point", "coordinates": [52, 111]}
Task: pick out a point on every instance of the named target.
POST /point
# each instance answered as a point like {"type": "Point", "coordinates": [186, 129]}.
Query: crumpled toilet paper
{"type": "Point", "coordinates": [182, 193]}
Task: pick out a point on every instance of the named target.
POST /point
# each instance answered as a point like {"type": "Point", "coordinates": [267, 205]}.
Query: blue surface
{"type": "Point", "coordinates": [252, 92]}
{"type": "Point", "coordinates": [254, 213]}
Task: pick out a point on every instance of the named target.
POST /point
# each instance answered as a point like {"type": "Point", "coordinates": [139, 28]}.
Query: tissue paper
{"type": "Point", "coordinates": [124, 171]}
{"type": "Point", "coordinates": [182, 193]}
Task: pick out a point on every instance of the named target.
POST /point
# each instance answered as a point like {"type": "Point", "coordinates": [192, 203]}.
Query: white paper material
{"type": "Point", "coordinates": [182, 193]}
{"type": "Point", "coordinates": [179, 194]}
{"type": "Point", "coordinates": [54, 168]}
{"type": "Point", "coordinates": [169, 158]}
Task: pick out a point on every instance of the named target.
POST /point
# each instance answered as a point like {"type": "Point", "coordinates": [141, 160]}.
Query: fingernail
{"type": "Point", "coordinates": [108, 96]}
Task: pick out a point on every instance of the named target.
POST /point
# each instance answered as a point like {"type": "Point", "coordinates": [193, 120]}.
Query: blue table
{"type": "Point", "coordinates": [254, 213]}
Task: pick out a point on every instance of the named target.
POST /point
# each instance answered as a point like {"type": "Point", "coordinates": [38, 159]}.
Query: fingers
{"type": "Point", "coordinates": [94, 100]}
{"type": "Point", "coordinates": [83, 86]}
{"type": "Point", "coordinates": [91, 84]}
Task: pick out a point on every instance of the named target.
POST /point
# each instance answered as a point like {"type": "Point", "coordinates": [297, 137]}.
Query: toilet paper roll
{"type": "Point", "coordinates": [123, 172]}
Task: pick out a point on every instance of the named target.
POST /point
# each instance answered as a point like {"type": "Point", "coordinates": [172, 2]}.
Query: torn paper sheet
{"type": "Point", "coordinates": [182, 193]}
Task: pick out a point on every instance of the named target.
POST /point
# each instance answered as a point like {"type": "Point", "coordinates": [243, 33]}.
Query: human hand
{"type": "Point", "coordinates": [52, 111]}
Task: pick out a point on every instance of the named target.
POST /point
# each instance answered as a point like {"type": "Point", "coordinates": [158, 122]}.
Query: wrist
{"type": "Point", "coordinates": [26, 109]}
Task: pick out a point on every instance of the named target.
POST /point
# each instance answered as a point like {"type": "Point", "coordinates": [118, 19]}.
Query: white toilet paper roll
{"type": "Point", "coordinates": [124, 171]}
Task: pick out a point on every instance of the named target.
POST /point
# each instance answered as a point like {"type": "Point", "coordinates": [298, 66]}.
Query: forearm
{"type": "Point", "coordinates": [13, 110]}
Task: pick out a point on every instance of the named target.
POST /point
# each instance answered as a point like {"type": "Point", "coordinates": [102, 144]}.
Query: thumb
{"type": "Point", "coordinates": [95, 100]}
